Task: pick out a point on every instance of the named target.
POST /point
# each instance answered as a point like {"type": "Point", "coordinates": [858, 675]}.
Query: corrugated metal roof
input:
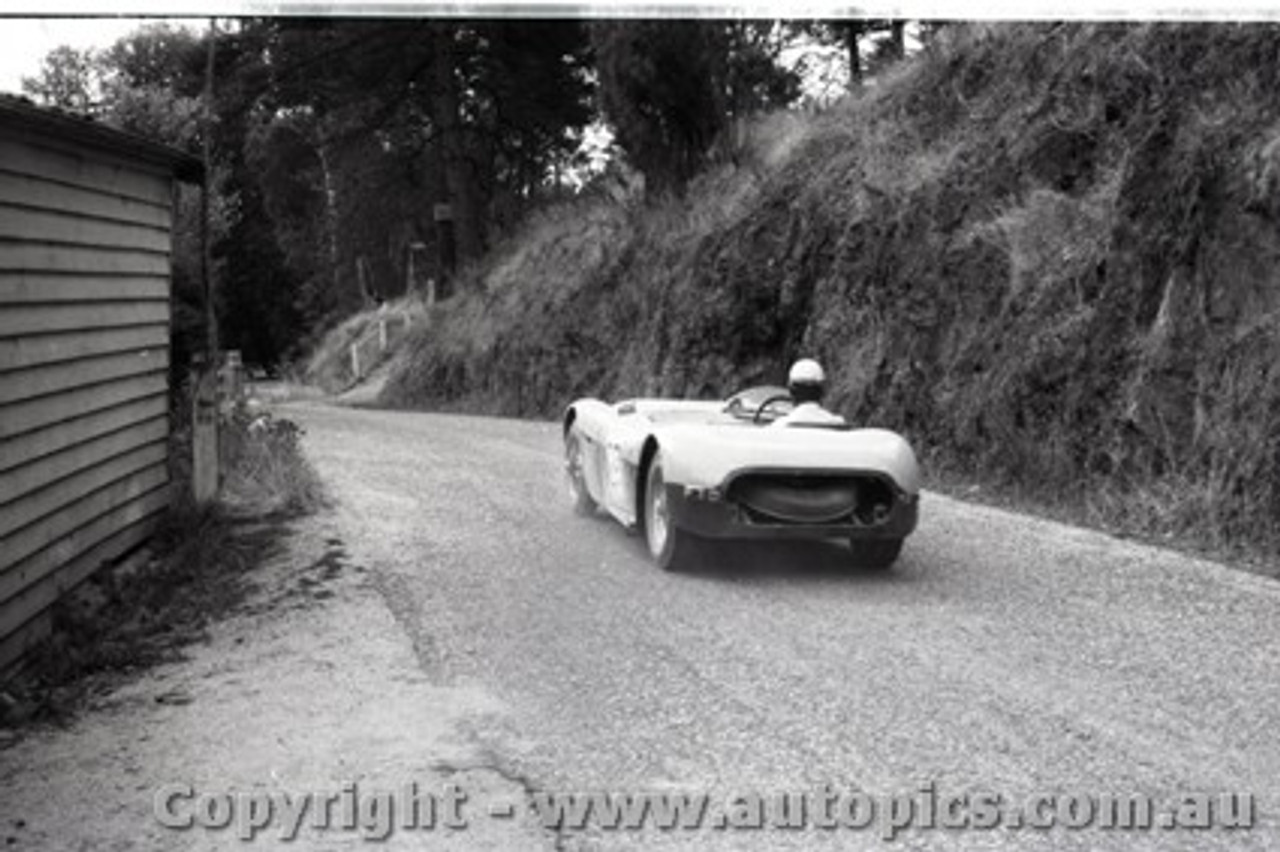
{"type": "Point", "coordinates": [21, 112]}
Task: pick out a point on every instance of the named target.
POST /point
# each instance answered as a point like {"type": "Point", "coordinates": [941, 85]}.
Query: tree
{"type": "Point", "coordinates": [659, 89]}
{"type": "Point", "coordinates": [472, 115]}
{"type": "Point", "coordinates": [155, 112]}
{"type": "Point", "coordinates": [755, 79]}
{"type": "Point", "coordinates": [531, 96]}
{"type": "Point", "coordinates": [281, 152]}
{"type": "Point", "coordinates": [850, 33]}
{"type": "Point", "coordinates": [151, 84]}
{"type": "Point", "coordinates": [670, 88]}
{"type": "Point", "coordinates": [157, 56]}
{"type": "Point", "coordinates": [67, 80]}
{"type": "Point", "coordinates": [928, 31]}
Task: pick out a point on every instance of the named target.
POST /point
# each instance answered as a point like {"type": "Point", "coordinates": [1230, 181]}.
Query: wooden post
{"type": "Point", "coordinates": [410, 274]}
{"type": "Point", "coordinates": [205, 468]}
{"type": "Point", "coordinates": [355, 360]}
{"type": "Point", "coordinates": [232, 376]}
{"type": "Point", "coordinates": [445, 241]}
{"type": "Point", "coordinates": [204, 430]}
{"type": "Point", "coordinates": [382, 335]}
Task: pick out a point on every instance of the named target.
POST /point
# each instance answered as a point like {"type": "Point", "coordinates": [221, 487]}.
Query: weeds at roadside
{"type": "Point", "coordinates": [143, 612]}
{"type": "Point", "coordinates": [267, 473]}
{"type": "Point", "coordinates": [1159, 514]}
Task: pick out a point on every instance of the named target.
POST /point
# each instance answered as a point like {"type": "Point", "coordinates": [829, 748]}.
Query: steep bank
{"type": "Point", "coordinates": [1047, 253]}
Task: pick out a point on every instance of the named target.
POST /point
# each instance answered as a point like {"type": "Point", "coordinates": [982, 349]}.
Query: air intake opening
{"type": "Point", "coordinates": [774, 498]}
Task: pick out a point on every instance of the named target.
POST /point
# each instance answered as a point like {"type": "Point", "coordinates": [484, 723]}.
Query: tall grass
{"type": "Point", "coordinates": [267, 473]}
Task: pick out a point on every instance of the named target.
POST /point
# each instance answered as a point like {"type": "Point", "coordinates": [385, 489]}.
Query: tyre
{"type": "Point", "coordinates": [669, 546]}
{"type": "Point", "coordinates": [578, 493]}
{"type": "Point", "coordinates": [876, 553]}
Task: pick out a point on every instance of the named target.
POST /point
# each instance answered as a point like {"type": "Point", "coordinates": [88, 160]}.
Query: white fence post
{"type": "Point", "coordinates": [232, 377]}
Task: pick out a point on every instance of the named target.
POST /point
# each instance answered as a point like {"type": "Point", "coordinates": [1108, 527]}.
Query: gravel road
{"type": "Point", "coordinates": [1003, 653]}
{"type": "Point", "coordinates": [492, 639]}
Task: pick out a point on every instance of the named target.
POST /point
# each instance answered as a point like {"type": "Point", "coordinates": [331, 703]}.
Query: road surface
{"type": "Point", "coordinates": [531, 651]}
{"type": "Point", "coordinates": [1002, 653]}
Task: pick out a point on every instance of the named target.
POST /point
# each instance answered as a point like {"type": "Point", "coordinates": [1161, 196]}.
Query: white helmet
{"type": "Point", "coordinates": [806, 382]}
{"type": "Point", "coordinates": [806, 371]}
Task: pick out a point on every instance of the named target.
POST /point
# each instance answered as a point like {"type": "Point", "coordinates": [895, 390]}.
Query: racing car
{"type": "Point", "coordinates": [679, 472]}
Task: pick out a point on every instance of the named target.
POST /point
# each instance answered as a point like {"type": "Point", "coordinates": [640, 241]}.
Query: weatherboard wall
{"type": "Point", "coordinates": [85, 241]}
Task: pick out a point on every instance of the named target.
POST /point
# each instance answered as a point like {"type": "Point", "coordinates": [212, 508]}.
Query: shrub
{"type": "Point", "coordinates": [266, 471]}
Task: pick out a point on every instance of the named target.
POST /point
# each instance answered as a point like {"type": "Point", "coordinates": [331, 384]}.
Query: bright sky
{"type": "Point", "coordinates": [24, 42]}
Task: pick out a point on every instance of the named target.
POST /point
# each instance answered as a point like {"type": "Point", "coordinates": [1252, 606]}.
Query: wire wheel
{"type": "Point", "coordinates": [670, 546]}
{"type": "Point", "coordinates": [578, 493]}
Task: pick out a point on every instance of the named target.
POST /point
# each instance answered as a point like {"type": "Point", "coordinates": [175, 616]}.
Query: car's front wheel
{"type": "Point", "coordinates": [876, 553]}
{"type": "Point", "coordinates": [670, 546]}
{"type": "Point", "coordinates": [578, 493]}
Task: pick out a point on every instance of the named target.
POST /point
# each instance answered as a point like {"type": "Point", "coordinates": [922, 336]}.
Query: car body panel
{"type": "Point", "coordinates": [707, 455]}
{"type": "Point", "coordinates": [707, 446]}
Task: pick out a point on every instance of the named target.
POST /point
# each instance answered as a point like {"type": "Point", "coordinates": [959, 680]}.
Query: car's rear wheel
{"type": "Point", "coordinates": [670, 546]}
{"type": "Point", "coordinates": [578, 493]}
{"type": "Point", "coordinates": [876, 553]}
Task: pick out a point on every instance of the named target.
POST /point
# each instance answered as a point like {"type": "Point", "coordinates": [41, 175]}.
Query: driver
{"type": "Point", "coordinates": [806, 383]}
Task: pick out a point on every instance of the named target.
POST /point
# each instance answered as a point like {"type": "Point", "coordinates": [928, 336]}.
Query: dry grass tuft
{"type": "Point", "coordinates": [267, 473]}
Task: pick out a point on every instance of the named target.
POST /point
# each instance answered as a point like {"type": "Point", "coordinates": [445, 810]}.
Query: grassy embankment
{"type": "Point", "coordinates": [329, 366]}
{"type": "Point", "coordinates": [1045, 253]}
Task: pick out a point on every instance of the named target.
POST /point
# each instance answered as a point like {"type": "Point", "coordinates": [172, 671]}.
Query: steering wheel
{"type": "Point", "coordinates": [781, 397]}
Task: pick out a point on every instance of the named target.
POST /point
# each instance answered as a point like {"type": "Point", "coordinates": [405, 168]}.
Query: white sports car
{"type": "Point", "coordinates": [676, 469]}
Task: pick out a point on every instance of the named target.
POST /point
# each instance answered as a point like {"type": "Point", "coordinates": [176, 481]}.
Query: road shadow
{"type": "Point", "coordinates": [735, 560]}
{"type": "Point", "coordinates": [826, 561]}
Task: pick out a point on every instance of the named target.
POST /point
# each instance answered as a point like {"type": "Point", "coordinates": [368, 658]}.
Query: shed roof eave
{"type": "Point", "coordinates": [24, 115]}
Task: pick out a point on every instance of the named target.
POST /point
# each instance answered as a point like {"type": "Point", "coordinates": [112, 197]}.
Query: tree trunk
{"type": "Point", "coordinates": [852, 32]}
{"type": "Point", "coordinates": [330, 217]}
{"type": "Point", "coordinates": [896, 38]}
{"type": "Point", "coordinates": [457, 172]}
{"type": "Point", "coordinates": [367, 299]}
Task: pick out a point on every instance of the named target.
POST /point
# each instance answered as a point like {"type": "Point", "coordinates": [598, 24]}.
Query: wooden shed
{"type": "Point", "coordinates": [86, 222]}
